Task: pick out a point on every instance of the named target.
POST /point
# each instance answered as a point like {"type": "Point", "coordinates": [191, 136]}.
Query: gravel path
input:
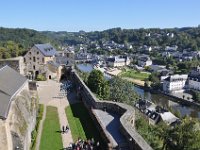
{"type": "Point", "coordinates": [50, 95]}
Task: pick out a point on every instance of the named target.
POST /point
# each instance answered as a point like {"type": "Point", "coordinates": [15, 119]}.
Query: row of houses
{"type": "Point", "coordinates": [181, 56]}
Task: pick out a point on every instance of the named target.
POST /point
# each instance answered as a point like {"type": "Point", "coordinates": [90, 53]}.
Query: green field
{"type": "Point", "coordinates": [51, 137]}
{"type": "Point", "coordinates": [135, 75]}
{"type": "Point", "coordinates": [81, 124]}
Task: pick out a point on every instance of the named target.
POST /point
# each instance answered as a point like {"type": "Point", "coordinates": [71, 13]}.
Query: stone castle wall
{"type": "Point", "coordinates": [15, 63]}
{"type": "Point", "coordinates": [127, 113]}
{"type": "Point", "coordinates": [16, 129]}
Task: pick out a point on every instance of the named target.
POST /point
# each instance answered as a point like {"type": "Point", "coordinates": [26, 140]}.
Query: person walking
{"type": "Point", "coordinates": [63, 129]}
{"type": "Point", "coordinates": [67, 128]}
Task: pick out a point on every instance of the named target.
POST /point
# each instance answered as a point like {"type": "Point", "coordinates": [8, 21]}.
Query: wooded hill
{"type": "Point", "coordinates": [15, 42]}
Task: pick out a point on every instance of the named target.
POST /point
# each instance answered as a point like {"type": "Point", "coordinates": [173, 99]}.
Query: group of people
{"type": "Point", "coordinates": [66, 85]}
{"type": "Point", "coordinates": [84, 145]}
{"type": "Point", "coordinates": [65, 129]}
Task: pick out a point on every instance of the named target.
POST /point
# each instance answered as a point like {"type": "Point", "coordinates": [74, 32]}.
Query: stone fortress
{"type": "Point", "coordinates": [23, 108]}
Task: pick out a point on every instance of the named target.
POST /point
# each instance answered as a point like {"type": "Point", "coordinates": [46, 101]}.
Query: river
{"type": "Point", "coordinates": [158, 99]}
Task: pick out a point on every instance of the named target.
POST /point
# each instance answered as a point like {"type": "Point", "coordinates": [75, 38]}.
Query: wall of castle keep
{"type": "Point", "coordinates": [15, 63]}
{"type": "Point", "coordinates": [127, 113]}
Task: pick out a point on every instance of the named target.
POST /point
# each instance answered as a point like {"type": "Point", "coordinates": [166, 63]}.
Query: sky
{"type": "Point", "coordinates": [98, 15]}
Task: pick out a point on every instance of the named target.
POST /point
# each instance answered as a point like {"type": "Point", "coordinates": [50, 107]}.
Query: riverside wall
{"type": "Point", "coordinates": [127, 119]}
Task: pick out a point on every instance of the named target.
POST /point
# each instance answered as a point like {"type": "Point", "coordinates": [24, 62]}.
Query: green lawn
{"type": "Point", "coordinates": [134, 74]}
{"type": "Point", "coordinates": [81, 124]}
{"type": "Point", "coordinates": [51, 138]}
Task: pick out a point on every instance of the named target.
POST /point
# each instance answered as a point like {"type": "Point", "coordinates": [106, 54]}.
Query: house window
{"type": "Point", "coordinates": [24, 59]}
{"type": "Point", "coordinates": [30, 53]}
{"type": "Point", "coordinates": [33, 59]}
{"type": "Point", "coordinates": [34, 67]}
{"type": "Point", "coordinates": [43, 60]}
{"type": "Point", "coordinates": [30, 58]}
{"type": "Point", "coordinates": [37, 52]}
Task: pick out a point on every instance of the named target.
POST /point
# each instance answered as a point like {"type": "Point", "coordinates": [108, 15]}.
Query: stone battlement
{"type": "Point", "coordinates": [127, 113]}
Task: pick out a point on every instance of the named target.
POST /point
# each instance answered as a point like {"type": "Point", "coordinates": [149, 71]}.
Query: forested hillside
{"type": "Point", "coordinates": [15, 42]}
{"type": "Point", "coordinates": [182, 37]}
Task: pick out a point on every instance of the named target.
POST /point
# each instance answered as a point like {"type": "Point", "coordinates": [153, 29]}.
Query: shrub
{"type": "Point", "coordinates": [41, 77]}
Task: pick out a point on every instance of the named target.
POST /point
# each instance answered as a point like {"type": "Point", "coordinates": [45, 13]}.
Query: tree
{"type": "Point", "coordinates": [122, 91]}
{"type": "Point", "coordinates": [146, 83]}
{"type": "Point", "coordinates": [105, 90]}
{"type": "Point", "coordinates": [97, 84]}
{"type": "Point", "coordinates": [183, 136]}
{"type": "Point", "coordinates": [41, 77]}
{"type": "Point", "coordinates": [196, 95]}
{"type": "Point", "coordinates": [165, 133]}
{"type": "Point", "coordinates": [187, 135]}
{"type": "Point", "coordinates": [155, 81]}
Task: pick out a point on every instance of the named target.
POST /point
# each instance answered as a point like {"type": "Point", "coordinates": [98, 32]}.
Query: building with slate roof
{"type": "Point", "coordinates": [144, 60]}
{"type": "Point", "coordinates": [118, 61]}
{"type": "Point", "coordinates": [175, 83]}
{"type": "Point", "coordinates": [156, 114]}
{"type": "Point", "coordinates": [194, 78]}
{"type": "Point", "coordinates": [11, 84]}
{"type": "Point", "coordinates": [37, 58]}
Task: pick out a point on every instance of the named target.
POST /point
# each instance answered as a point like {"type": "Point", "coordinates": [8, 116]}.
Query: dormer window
{"type": "Point", "coordinates": [37, 52]}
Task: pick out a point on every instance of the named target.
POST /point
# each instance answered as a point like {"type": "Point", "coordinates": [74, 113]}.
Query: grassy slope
{"type": "Point", "coordinates": [81, 124]}
{"type": "Point", "coordinates": [50, 138]}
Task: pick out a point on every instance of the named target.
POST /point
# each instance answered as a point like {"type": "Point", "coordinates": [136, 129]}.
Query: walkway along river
{"type": "Point", "coordinates": [159, 99]}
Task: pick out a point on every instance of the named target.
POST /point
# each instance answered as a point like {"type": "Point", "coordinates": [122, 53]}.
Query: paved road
{"type": "Point", "coordinates": [50, 95]}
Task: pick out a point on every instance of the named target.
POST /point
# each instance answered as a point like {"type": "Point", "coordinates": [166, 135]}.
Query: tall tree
{"type": "Point", "coordinates": [184, 136]}
{"type": "Point", "coordinates": [122, 90]}
{"type": "Point", "coordinates": [97, 84]}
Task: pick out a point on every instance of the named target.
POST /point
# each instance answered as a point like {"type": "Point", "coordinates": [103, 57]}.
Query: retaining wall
{"type": "Point", "coordinates": [127, 113]}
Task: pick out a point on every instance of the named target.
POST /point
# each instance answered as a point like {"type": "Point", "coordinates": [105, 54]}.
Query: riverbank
{"type": "Point", "coordinates": [157, 97]}
{"type": "Point", "coordinates": [181, 100]}
{"type": "Point", "coordinates": [139, 83]}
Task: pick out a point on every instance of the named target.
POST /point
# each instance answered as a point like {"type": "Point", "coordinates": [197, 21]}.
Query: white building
{"type": "Point", "coordinates": [194, 83]}
{"type": "Point", "coordinates": [173, 48]}
{"type": "Point", "coordinates": [174, 83]}
{"type": "Point", "coordinates": [144, 61]}
{"type": "Point", "coordinates": [166, 54]}
{"type": "Point", "coordinates": [194, 79]}
{"type": "Point", "coordinates": [118, 61]}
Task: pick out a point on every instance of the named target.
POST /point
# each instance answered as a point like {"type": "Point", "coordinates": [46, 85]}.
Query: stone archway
{"type": "Point", "coordinates": [65, 73]}
{"type": "Point", "coordinates": [36, 74]}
